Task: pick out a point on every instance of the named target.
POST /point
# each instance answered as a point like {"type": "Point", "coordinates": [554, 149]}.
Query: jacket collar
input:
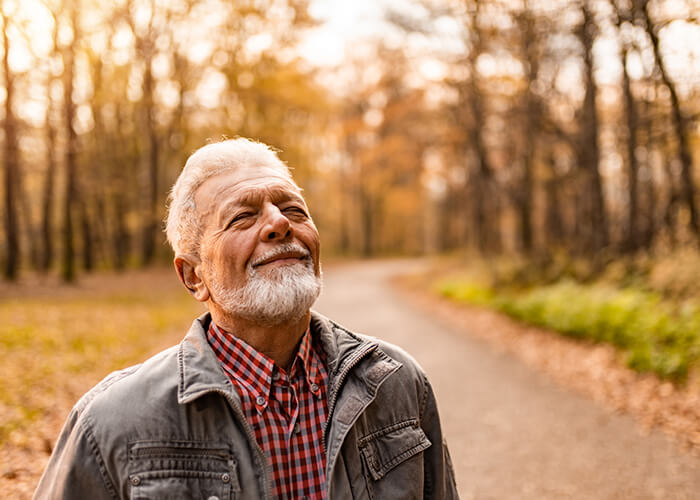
{"type": "Point", "coordinates": [200, 371]}
{"type": "Point", "coordinates": [345, 350]}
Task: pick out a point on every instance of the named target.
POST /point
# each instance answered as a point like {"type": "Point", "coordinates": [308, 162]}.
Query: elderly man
{"type": "Point", "coordinates": [263, 398]}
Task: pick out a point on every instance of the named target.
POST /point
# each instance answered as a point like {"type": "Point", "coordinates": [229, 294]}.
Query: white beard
{"type": "Point", "coordinates": [275, 296]}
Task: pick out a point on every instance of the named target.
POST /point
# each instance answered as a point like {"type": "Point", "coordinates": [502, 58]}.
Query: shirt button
{"type": "Point", "coordinates": [135, 481]}
{"type": "Point", "coordinates": [314, 387]}
{"type": "Point", "coordinates": [260, 401]}
{"type": "Point", "coordinates": [297, 428]}
{"type": "Point", "coordinates": [276, 376]}
{"type": "Point", "coordinates": [225, 477]}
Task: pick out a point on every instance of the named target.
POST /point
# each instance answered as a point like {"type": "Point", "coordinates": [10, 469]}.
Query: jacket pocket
{"type": "Point", "coordinates": [393, 457]}
{"type": "Point", "coordinates": [181, 470]}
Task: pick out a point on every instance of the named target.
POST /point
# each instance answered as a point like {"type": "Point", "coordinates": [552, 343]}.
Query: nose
{"type": "Point", "coordinates": [276, 225]}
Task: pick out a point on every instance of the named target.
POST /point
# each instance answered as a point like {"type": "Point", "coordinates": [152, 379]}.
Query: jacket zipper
{"type": "Point", "coordinates": [341, 379]}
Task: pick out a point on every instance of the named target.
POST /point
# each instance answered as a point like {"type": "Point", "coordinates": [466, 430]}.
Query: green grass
{"type": "Point", "coordinates": [655, 335]}
{"type": "Point", "coordinates": [58, 347]}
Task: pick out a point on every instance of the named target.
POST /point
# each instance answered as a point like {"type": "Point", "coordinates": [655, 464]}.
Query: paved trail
{"type": "Point", "coordinates": [512, 433]}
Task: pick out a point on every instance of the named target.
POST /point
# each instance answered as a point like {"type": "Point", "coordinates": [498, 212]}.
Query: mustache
{"type": "Point", "coordinates": [279, 250]}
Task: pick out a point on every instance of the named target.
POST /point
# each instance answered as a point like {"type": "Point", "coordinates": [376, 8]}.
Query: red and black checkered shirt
{"type": "Point", "coordinates": [287, 411]}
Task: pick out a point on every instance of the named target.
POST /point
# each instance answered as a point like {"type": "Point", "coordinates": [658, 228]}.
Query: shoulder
{"type": "Point", "coordinates": [131, 391]}
{"type": "Point", "coordinates": [400, 355]}
{"type": "Point", "coordinates": [410, 378]}
{"type": "Point", "coordinates": [404, 375]}
{"type": "Point", "coordinates": [383, 349]}
{"type": "Point", "coordinates": [110, 414]}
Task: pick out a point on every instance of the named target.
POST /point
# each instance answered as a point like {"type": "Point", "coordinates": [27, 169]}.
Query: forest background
{"type": "Point", "coordinates": [546, 151]}
{"type": "Point", "coordinates": [509, 127]}
{"type": "Point", "coordinates": [549, 147]}
{"type": "Point", "coordinates": [558, 139]}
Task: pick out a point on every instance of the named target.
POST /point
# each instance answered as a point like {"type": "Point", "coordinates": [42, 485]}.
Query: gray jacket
{"type": "Point", "coordinates": [173, 428]}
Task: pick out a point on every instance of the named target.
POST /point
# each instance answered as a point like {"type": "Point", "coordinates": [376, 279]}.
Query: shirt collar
{"type": "Point", "coordinates": [254, 370]}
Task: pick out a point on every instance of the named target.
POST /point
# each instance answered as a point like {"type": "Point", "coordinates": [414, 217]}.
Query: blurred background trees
{"type": "Point", "coordinates": [504, 126]}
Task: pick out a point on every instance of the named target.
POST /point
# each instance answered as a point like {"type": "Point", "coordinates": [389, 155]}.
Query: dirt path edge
{"type": "Point", "coordinates": [595, 370]}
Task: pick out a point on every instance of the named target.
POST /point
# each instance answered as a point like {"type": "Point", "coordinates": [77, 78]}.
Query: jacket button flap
{"type": "Point", "coordinates": [387, 448]}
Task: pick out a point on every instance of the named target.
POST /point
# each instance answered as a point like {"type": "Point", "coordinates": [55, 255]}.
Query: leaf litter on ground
{"type": "Point", "coordinates": [57, 341]}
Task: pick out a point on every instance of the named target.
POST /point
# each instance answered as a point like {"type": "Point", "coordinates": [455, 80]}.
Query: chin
{"type": "Point", "coordinates": [273, 296]}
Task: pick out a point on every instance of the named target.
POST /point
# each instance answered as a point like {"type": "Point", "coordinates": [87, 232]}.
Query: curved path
{"type": "Point", "coordinates": [513, 434]}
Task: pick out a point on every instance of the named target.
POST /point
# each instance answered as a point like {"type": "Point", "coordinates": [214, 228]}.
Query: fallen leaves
{"type": "Point", "coordinates": [56, 342]}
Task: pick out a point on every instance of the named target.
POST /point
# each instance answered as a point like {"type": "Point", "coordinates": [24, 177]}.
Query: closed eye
{"type": "Point", "coordinates": [239, 217]}
{"type": "Point", "coordinates": [295, 210]}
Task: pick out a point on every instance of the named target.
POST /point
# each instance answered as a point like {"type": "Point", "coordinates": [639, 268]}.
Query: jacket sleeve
{"type": "Point", "coordinates": [439, 481]}
{"type": "Point", "coordinates": [75, 470]}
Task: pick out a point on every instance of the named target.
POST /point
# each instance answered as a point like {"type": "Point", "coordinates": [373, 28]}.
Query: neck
{"type": "Point", "coordinates": [278, 342]}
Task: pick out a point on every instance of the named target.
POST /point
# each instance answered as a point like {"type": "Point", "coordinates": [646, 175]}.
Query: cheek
{"type": "Point", "coordinates": [236, 248]}
{"type": "Point", "coordinates": [311, 239]}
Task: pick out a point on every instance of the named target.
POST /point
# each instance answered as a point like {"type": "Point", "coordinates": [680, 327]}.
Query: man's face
{"type": "Point", "coordinates": [248, 215]}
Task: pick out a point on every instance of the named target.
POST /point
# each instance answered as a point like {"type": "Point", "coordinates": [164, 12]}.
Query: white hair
{"type": "Point", "coordinates": [182, 225]}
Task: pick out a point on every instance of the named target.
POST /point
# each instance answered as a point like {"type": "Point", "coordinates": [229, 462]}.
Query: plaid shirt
{"type": "Point", "coordinates": [287, 411]}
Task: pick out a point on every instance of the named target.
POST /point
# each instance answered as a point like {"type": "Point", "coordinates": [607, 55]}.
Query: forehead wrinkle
{"type": "Point", "coordinates": [219, 189]}
{"type": "Point", "coordinates": [276, 192]}
{"type": "Point", "coordinates": [260, 175]}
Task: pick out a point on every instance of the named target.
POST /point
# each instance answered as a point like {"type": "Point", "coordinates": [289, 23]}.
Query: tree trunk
{"type": "Point", "coordinates": [632, 164]}
{"type": "Point", "coordinates": [26, 222]}
{"type": "Point", "coordinates": [344, 208]}
{"type": "Point", "coordinates": [554, 232]}
{"type": "Point", "coordinates": [681, 127]}
{"type": "Point", "coordinates": [632, 233]}
{"type": "Point", "coordinates": [670, 213]}
{"type": "Point", "coordinates": [11, 160]}
{"type": "Point", "coordinates": [486, 209]}
{"type": "Point", "coordinates": [650, 189]}
{"type": "Point", "coordinates": [95, 221]}
{"type": "Point", "coordinates": [145, 48]}
{"type": "Point", "coordinates": [70, 197]}
{"type": "Point", "coordinates": [531, 122]}
{"type": "Point", "coordinates": [119, 203]}
{"type": "Point", "coordinates": [367, 218]}
{"type": "Point", "coordinates": [447, 207]}
{"type": "Point", "coordinates": [150, 222]}
{"type": "Point", "coordinates": [87, 236]}
{"type": "Point", "coordinates": [47, 199]}
{"type": "Point", "coordinates": [48, 188]}
{"type": "Point", "coordinates": [121, 234]}
{"type": "Point", "coordinates": [595, 225]}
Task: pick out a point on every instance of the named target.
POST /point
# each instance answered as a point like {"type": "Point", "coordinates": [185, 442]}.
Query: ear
{"type": "Point", "coordinates": [186, 267]}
